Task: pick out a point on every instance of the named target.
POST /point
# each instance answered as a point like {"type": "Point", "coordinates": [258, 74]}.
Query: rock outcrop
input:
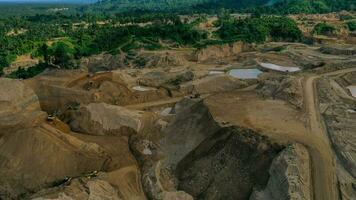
{"type": "Point", "coordinates": [104, 62]}
{"type": "Point", "coordinates": [215, 52]}
{"type": "Point", "coordinates": [288, 88]}
{"type": "Point", "coordinates": [290, 176]}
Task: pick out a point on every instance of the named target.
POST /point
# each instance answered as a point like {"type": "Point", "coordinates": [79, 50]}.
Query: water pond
{"type": "Point", "coordinates": [245, 73]}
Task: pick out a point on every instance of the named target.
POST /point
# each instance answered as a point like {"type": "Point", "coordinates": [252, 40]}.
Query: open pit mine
{"type": "Point", "coordinates": [273, 121]}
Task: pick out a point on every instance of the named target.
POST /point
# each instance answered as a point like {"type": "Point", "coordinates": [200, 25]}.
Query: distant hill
{"type": "Point", "coordinates": [168, 5]}
{"type": "Point", "coordinates": [282, 6]}
{"type": "Point", "coordinates": [311, 6]}
{"type": "Point", "coordinates": [48, 1]}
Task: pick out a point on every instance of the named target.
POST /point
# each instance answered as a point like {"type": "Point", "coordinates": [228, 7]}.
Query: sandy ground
{"type": "Point", "coordinates": [283, 124]}
{"type": "Point", "coordinates": [273, 118]}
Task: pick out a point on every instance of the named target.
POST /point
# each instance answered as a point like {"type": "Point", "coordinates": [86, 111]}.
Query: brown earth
{"type": "Point", "coordinates": [86, 134]}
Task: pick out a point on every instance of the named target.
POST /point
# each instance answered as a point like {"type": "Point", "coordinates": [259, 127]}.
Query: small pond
{"type": "Point", "coordinates": [245, 73]}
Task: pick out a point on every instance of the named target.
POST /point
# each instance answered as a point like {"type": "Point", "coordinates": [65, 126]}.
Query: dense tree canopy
{"type": "Point", "coordinates": [266, 6]}
{"type": "Point", "coordinates": [260, 29]}
{"type": "Point", "coordinates": [60, 39]}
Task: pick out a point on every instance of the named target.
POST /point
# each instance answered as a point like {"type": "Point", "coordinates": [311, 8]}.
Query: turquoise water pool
{"type": "Point", "coordinates": [245, 73]}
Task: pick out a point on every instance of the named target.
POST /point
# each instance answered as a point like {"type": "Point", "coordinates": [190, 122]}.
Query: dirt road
{"type": "Point", "coordinates": [323, 167]}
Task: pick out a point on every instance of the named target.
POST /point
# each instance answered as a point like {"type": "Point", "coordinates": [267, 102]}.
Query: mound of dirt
{"type": "Point", "coordinates": [16, 97]}
{"type": "Point", "coordinates": [34, 158]}
{"type": "Point", "coordinates": [290, 176]}
{"type": "Point", "coordinates": [213, 84]}
{"type": "Point", "coordinates": [19, 106]}
{"type": "Point", "coordinates": [37, 154]}
{"type": "Point", "coordinates": [105, 119]}
{"type": "Point", "coordinates": [276, 86]}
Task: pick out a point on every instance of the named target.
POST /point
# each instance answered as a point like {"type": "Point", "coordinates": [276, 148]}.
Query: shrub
{"type": "Point", "coordinates": [324, 29]}
{"type": "Point", "coordinates": [351, 25]}
{"type": "Point", "coordinates": [29, 72]}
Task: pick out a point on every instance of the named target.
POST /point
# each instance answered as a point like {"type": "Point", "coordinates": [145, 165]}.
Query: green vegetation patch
{"type": "Point", "coordinates": [351, 25]}
{"type": "Point", "coordinates": [22, 73]}
{"type": "Point", "coordinates": [324, 29]}
{"type": "Point", "coordinates": [260, 29]}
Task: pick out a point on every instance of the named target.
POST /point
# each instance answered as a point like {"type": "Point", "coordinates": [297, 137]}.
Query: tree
{"type": "Point", "coordinates": [351, 25]}
{"type": "Point", "coordinates": [62, 54]}
{"type": "Point", "coordinates": [44, 51]}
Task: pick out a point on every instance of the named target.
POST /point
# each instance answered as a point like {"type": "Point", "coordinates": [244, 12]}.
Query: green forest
{"type": "Point", "coordinates": [60, 39]}
{"type": "Point", "coordinates": [199, 6]}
